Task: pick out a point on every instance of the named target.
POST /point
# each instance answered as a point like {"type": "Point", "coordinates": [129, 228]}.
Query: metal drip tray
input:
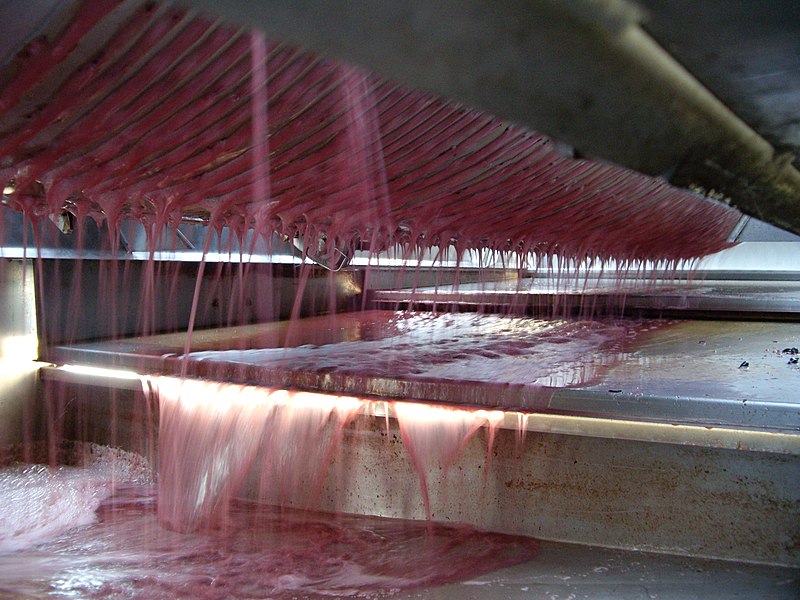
{"type": "Point", "coordinates": [702, 374]}
{"type": "Point", "coordinates": [745, 298]}
{"type": "Point", "coordinates": [632, 434]}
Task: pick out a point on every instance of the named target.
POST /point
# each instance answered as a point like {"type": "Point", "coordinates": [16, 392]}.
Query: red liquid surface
{"type": "Point", "coordinates": [465, 347]}
{"type": "Point", "coordinates": [262, 552]}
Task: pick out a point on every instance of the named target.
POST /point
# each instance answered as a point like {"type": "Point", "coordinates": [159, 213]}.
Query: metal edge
{"type": "Point", "coordinates": [723, 438]}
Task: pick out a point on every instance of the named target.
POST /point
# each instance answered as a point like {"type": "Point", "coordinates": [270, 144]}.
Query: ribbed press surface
{"type": "Point", "coordinates": [144, 110]}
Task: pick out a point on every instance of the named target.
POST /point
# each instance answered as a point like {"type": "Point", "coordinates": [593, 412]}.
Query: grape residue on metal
{"type": "Point", "coordinates": [154, 119]}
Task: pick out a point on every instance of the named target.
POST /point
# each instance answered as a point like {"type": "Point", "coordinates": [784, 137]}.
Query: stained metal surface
{"type": "Point", "coordinates": [18, 349]}
{"type": "Point", "coordinates": [690, 501]}
{"type": "Point", "coordinates": [636, 495]}
{"type": "Point", "coordinates": [616, 493]}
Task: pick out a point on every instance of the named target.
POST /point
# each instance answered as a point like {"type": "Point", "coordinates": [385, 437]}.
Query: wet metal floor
{"type": "Point", "coordinates": [570, 572]}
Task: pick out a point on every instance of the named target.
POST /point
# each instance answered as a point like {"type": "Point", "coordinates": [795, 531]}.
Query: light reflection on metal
{"type": "Point", "coordinates": [19, 349]}
{"type": "Point", "coordinates": [522, 422]}
{"type": "Point", "coordinates": [197, 392]}
{"type": "Point", "coordinates": [100, 372]}
{"type": "Point", "coordinates": [668, 433]}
